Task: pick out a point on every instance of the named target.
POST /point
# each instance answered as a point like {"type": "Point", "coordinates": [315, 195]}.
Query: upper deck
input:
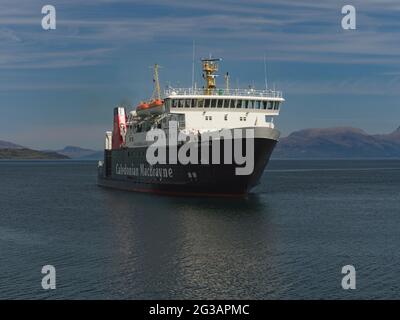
{"type": "Point", "coordinates": [250, 93]}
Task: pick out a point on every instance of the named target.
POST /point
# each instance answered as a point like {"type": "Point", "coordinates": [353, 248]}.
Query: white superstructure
{"type": "Point", "coordinates": [224, 109]}
{"type": "Point", "coordinates": [208, 109]}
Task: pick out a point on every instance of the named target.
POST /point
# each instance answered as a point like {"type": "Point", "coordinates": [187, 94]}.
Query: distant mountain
{"type": "Point", "coordinates": [394, 136]}
{"type": "Point", "coordinates": [10, 151]}
{"type": "Point", "coordinates": [334, 143]}
{"type": "Point", "coordinates": [74, 152]}
{"type": "Point", "coordinates": [9, 145]}
{"type": "Point", "coordinates": [331, 143]}
{"type": "Point", "coordinates": [28, 154]}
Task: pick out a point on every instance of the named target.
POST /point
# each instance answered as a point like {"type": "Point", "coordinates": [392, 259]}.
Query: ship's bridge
{"type": "Point", "coordinates": [265, 101]}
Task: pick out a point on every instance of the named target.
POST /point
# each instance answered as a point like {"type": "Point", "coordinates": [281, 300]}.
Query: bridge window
{"type": "Point", "coordinates": [257, 104]}
{"type": "Point", "coordinates": [239, 104]}
{"type": "Point", "coordinates": [220, 102]}
{"type": "Point", "coordinates": [264, 105]}
{"type": "Point", "coordinates": [270, 105]}
{"type": "Point", "coordinates": [174, 103]}
{"type": "Point", "coordinates": [245, 104]}
{"type": "Point", "coordinates": [213, 103]}
{"type": "Point", "coordinates": [226, 103]}
{"type": "Point", "coordinates": [200, 103]}
{"type": "Point", "coordinates": [167, 103]}
{"type": "Point", "coordinates": [207, 103]}
{"type": "Point", "coordinates": [276, 105]}
{"type": "Point", "coordinates": [187, 103]}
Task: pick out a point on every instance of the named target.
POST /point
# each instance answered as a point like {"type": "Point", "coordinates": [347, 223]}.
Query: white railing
{"type": "Point", "coordinates": [224, 92]}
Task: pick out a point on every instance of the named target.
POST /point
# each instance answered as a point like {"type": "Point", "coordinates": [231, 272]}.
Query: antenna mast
{"type": "Point", "coordinates": [193, 57]}
{"type": "Point", "coordinates": [265, 73]}
{"type": "Point", "coordinates": [227, 81]}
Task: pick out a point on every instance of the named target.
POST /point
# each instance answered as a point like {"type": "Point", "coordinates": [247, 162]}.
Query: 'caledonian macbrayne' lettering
{"type": "Point", "coordinates": [143, 171]}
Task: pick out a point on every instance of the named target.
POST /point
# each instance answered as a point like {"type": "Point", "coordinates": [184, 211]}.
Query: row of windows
{"type": "Point", "coordinates": [226, 118]}
{"type": "Point", "coordinates": [224, 103]}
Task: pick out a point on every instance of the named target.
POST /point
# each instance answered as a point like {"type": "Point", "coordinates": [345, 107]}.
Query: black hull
{"type": "Point", "coordinates": [177, 179]}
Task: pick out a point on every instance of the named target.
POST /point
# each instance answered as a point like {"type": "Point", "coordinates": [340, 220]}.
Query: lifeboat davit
{"type": "Point", "coordinates": [153, 107]}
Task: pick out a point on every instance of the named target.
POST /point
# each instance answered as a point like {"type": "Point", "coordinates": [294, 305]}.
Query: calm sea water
{"type": "Point", "coordinates": [289, 239]}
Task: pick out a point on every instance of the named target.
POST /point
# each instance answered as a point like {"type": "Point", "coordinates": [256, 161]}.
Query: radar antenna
{"type": "Point", "coordinates": [210, 66]}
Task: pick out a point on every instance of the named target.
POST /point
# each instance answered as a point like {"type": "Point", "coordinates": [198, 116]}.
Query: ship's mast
{"type": "Point", "coordinates": [157, 92]}
{"type": "Point", "coordinates": [210, 66]}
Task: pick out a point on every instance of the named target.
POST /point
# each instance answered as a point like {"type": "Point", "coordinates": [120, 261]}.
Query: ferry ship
{"type": "Point", "coordinates": [195, 113]}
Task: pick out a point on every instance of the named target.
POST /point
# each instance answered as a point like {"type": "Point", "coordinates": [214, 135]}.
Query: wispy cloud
{"type": "Point", "coordinates": [302, 31]}
{"type": "Point", "coordinates": [349, 86]}
{"type": "Point", "coordinates": [53, 59]}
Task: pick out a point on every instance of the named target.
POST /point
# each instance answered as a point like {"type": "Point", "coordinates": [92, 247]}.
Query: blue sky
{"type": "Point", "coordinates": [59, 87]}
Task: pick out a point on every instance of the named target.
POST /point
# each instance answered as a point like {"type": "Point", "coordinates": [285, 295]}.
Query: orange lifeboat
{"type": "Point", "coordinates": [156, 103]}
{"type": "Point", "coordinates": [153, 107]}
{"type": "Point", "coordinates": [143, 109]}
{"type": "Point", "coordinates": [156, 106]}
